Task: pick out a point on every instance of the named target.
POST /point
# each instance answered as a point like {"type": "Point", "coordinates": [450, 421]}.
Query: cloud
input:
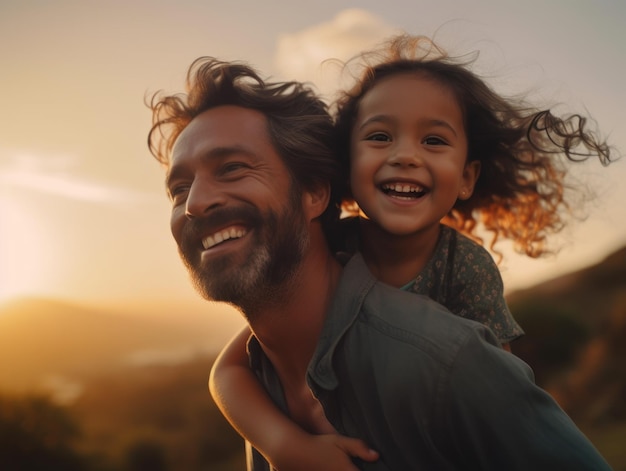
{"type": "Point", "coordinates": [54, 175]}
{"type": "Point", "coordinates": [300, 55]}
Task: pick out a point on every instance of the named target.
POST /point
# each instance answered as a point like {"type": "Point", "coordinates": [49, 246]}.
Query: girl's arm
{"type": "Point", "coordinates": [251, 412]}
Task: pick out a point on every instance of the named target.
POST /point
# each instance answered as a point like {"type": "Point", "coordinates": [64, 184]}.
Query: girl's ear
{"type": "Point", "coordinates": [470, 176]}
{"type": "Point", "coordinates": [315, 201]}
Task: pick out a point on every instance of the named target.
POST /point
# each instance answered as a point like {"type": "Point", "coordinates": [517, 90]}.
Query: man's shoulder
{"type": "Point", "coordinates": [394, 320]}
{"type": "Point", "coordinates": [398, 317]}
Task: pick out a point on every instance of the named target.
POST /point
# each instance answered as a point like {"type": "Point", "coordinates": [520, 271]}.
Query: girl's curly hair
{"type": "Point", "coordinates": [523, 151]}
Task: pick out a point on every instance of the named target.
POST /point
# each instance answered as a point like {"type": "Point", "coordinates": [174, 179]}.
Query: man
{"type": "Point", "coordinates": [251, 176]}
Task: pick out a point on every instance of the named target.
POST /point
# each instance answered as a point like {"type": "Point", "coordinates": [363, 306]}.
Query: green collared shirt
{"type": "Point", "coordinates": [427, 389]}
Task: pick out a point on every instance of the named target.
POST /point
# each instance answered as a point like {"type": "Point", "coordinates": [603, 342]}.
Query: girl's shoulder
{"type": "Point", "coordinates": [461, 265]}
{"type": "Point", "coordinates": [465, 252]}
{"type": "Point", "coordinates": [474, 288]}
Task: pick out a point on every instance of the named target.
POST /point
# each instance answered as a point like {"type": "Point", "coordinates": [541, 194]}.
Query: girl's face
{"type": "Point", "coordinates": [408, 154]}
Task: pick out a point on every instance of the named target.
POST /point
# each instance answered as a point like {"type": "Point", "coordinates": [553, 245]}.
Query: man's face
{"type": "Point", "coordinates": [236, 216]}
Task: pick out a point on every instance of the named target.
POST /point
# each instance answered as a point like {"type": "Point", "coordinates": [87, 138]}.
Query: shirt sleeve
{"type": "Point", "coordinates": [497, 418]}
{"type": "Point", "coordinates": [477, 291]}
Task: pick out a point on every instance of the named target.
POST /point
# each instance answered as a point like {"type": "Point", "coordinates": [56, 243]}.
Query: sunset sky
{"type": "Point", "coordinates": [83, 212]}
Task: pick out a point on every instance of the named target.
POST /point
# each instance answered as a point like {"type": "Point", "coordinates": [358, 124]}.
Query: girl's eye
{"type": "Point", "coordinates": [434, 141]}
{"type": "Point", "coordinates": [378, 136]}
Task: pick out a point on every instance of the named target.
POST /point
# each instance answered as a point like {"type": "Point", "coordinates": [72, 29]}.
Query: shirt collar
{"type": "Point", "coordinates": [354, 284]}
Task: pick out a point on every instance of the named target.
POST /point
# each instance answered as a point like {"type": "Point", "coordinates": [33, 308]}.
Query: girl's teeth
{"type": "Point", "coordinates": [399, 188]}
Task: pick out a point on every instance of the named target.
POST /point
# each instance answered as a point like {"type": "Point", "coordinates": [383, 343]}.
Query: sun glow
{"type": "Point", "coordinates": [22, 248]}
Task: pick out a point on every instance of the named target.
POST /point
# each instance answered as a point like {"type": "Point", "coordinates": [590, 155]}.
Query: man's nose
{"type": "Point", "coordinates": [202, 197]}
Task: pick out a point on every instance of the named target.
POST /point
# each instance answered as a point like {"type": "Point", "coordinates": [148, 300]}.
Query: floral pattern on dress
{"type": "Point", "coordinates": [463, 277]}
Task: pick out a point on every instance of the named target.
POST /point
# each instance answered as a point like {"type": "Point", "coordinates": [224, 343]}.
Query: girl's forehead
{"type": "Point", "coordinates": [407, 80]}
{"type": "Point", "coordinates": [407, 89]}
{"type": "Point", "coordinates": [412, 101]}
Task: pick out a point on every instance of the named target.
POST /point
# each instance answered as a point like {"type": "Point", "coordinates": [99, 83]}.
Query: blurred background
{"type": "Point", "coordinates": [105, 348]}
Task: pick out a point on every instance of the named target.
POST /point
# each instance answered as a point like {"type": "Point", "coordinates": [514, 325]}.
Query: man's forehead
{"type": "Point", "coordinates": [227, 125]}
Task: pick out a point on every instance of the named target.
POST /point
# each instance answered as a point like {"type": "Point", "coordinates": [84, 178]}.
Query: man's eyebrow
{"type": "Point", "coordinates": [172, 173]}
{"type": "Point", "coordinates": [214, 153]}
{"type": "Point", "coordinates": [227, 151]}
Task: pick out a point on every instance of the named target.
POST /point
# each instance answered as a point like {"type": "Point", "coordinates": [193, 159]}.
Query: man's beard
{"type": "Point", "coordinates": [264, 274]}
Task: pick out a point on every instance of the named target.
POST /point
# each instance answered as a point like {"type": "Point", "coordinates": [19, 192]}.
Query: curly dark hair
{"type": "Point", "coordinates": [522, 150]}
{"type": "Point", "coordinates": [299, 124]}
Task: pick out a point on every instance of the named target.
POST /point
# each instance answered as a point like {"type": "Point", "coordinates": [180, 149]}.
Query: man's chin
{"type": "Point", "coordinates": [206, 269]}
{"type": "Point", "coordinates": [231, 279]}
{"type": "Point", "coordinates": [219, 291]}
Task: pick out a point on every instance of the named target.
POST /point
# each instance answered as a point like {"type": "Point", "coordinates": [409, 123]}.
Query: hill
{"type": "Point", "coordinates": [156, 418]}
{"type": "Point", "coordinates": [563, 316]}
{"type": "Point", "coordinates": [163, 412]}
{"type": "Point", "coordinates": [54, 344]}
{"type": "Point", "coordinates": [575, 329]}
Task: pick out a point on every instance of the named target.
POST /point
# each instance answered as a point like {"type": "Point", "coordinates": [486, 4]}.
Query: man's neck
{"type": "Point", "coordinates": [289, 334]}
{"type": "Point", "coordinates": [288, 331]}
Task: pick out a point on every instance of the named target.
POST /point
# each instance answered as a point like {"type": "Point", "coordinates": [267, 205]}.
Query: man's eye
{"type": "Point", "coordinates": [378, 136]}
{"type": "Point", "coordinates": [233, 167]}
{"type": "Point", "coordinates": [178, 190]}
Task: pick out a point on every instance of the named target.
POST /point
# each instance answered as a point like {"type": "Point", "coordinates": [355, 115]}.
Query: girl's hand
{"type": "Point", "coordinates": [330, 452]}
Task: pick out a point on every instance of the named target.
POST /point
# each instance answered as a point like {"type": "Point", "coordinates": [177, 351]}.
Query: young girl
{"type": "Point", "coordinates": [424, 140]}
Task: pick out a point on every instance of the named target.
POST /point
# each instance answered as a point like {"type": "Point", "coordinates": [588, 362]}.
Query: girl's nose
{"type": "Point", "coordinates": [407, 155]}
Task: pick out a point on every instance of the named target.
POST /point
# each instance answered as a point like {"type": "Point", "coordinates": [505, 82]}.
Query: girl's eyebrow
{"type": "Point", "coordinates": [378, 118]}
{"type": "Point", "coordinates": [443, 123]}
{"type": "Point", "coordinates": [383, 118]}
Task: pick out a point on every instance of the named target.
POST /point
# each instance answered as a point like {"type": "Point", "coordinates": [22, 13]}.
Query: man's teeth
{"type": "Point", "coordinates": [402, 188]}
{"type": "Point", "coordinates": [219, 237]}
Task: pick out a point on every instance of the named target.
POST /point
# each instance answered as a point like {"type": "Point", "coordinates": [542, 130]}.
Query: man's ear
{"type": "Point", "coordinates": [315, 200]}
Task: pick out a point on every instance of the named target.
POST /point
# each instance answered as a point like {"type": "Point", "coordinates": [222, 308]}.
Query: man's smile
{"type": "Point", "coordinates": [228, 233]}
